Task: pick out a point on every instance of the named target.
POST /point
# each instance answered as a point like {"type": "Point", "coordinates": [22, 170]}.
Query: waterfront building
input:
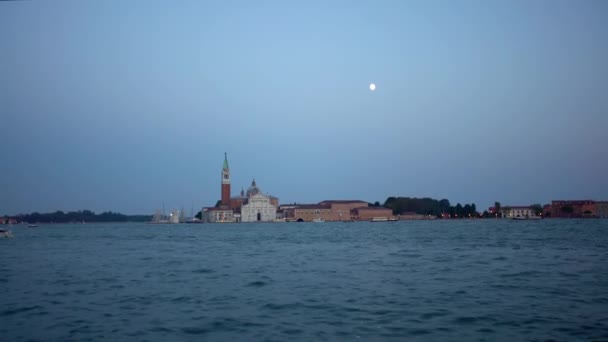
{"type": "Point", "coordinates": [258, 207]}
{"type": "Point", "coordinates": [252, 206]}
{"type": "Point", "coordinates": [330, 210]}
{"type": "Point", "coordinates": [573, 209]}
{"type": "Point", "coordinates": [601, 209]}
{"type": "Point", "coordinates": [345, 205]}
{"type": "Point", "coordinates": [310, 212]}
{"type": "Point", "coordinates": [369, 213]}
{"type": "Point", "coordinates": [218, 215]}
{"type": "Point", "coordinates": [547, 210]}
{"type": "Point", "coordinates": [518, 211]}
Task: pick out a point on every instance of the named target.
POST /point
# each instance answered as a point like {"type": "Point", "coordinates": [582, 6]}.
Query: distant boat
{"type": "Point", "coordinates": [6, 233]}
{"type": "Point", "coordinates": [379, 219]}
{"type": "Point", "coordinates": [32, 225]}
{"type": "Point", "coordinates": [158, 218]}
{"type": "Point", "coordinates": [318, 220]}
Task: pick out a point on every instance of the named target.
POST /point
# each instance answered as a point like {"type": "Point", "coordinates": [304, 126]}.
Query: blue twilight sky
{"type": "Point", "coordinates": [121, 105]}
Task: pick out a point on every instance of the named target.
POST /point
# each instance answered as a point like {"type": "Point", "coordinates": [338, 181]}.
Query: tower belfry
{"type": "Point", "coordinates": [225, 182]}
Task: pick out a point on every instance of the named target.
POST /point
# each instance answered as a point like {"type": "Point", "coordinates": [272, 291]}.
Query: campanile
{"type": "Point", "coordinates": [225, 182]}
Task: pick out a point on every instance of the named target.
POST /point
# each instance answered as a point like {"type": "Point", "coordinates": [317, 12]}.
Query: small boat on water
{"type": "Point", "coordinates": [522, 218]}
{"type": "Point", "coordinates": [4, 233]}
{"type": "Point", "coordinates": [32, 225]}
{"type": "Point", "coordinates": [318, 220]}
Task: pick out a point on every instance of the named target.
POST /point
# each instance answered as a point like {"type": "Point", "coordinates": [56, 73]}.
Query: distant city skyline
{"type": "Point", "coordinates": [126, 106]}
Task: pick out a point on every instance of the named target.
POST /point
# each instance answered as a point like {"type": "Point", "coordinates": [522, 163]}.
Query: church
{"type": "Point", "coordinates": [252, 206]}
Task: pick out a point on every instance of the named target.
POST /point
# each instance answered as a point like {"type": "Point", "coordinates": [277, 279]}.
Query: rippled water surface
{"type": "Point", "coordinates": [433, 280]}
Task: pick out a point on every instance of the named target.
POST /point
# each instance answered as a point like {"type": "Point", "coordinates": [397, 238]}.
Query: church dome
{"type": "Point", "coordinates": [253, 189]}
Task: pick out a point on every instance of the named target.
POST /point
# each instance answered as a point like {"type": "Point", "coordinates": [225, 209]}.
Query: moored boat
{"type": "Point", "coordinates": [522, 218]}
{"type": "Point", "coordinates": [6, 233]}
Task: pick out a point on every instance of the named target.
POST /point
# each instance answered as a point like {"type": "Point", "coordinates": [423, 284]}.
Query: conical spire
{"type": "Point", "coordinates": [226, 161]}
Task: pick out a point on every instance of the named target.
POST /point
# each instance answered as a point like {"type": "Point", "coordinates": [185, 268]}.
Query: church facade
{"type": "Point", "coordinates": [253, 206]}
{"type": "Point", "coordinates": [258, 207]}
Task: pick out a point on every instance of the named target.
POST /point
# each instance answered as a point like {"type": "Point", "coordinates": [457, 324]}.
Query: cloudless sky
{"type": "Point", "coordinates": [121, 105]}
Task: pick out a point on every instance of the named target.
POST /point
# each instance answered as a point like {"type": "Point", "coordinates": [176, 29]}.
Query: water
{"type": "Point", "coordinates": [432, 280]}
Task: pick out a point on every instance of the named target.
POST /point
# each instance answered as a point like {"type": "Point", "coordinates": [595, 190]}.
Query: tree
{"type": "Point", "coordinates": [459, 210]}
{"type": "Point", "coordinates": [466, 211]}
{"type": "Point", "coordinates": [444, 205]}
{"type": "Point", "coordinates": [199, 215]}
{"type": "Point", "coordinates": [538, 209]}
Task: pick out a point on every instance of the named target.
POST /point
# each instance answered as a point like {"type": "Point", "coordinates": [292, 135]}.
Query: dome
{"type": "Point", "coordinates": [253, 189]}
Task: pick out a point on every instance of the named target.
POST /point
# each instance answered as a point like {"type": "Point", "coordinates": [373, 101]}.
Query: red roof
{"type": "Point", "coordinates": [217, 209]}
{"type": "Point", "coordinates": [372, 208]}
{"type": "Point", "coordinates": [313, 206]}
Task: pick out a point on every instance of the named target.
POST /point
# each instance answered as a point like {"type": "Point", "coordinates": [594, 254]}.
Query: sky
{"type": "Point", "coordinates": [126, 105]}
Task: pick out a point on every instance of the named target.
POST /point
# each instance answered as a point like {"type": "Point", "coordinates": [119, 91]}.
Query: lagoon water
{"type": "Point", "coordinates": [420, 280]}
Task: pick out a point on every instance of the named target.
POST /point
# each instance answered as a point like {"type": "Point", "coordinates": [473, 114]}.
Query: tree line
{"type": "Point", "coordinates": [79, 216]}
{"type": "Point", "coordinates": [430, 207]}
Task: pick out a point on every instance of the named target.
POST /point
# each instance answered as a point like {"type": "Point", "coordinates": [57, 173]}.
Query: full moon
{"type": "Point", "coordinates": [372, 87]}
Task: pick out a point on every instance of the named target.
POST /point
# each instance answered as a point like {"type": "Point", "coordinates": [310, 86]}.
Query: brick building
{"type": "Point", "coordinates": [601, 209]}
{"type": "Point", "coordinates": [573, 209]}
{"type": "Point", "coordinates": [310, 212]}
{"type": "Point", "coordinates": [335, 210]}
{"type": "Point", "coordinates": [368, 213]}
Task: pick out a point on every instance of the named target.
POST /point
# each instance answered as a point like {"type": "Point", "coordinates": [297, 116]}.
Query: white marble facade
{"type": "Point", "coordinates": [258, 209]}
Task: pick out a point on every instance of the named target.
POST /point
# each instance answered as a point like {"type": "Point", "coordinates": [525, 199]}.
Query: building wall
{"type": "Point", "coordinates": [226, 194]}
{"type": "Point", "coordinates": [274, 201]}
{"type": "Point", "coordinates": [258, 204]}
{"type": "Point", "coordinates": [601, 209]}
{"type": "Point", "coordinates": [214, 216]}
{"type": "Point", "coordinates": [518, 212]}
{"type": "Point", "coordinates": [237, 202]}
{"type": "Point", "coordinates": [588, 209]}
{"type": "Point", "coordinates": [309, 214]}
{"type": "Point", "coordinates": [366, 214]}
{"type": "Point", "coordinates": [578, 208]}
{"type": "Point", "coordinates": [345, 205]}
{"type": "Point", "coordinates": [327, 211]}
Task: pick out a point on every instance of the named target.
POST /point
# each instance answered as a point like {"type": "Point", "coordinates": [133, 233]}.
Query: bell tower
{"type": "Point", "coordinates": [226, 182]}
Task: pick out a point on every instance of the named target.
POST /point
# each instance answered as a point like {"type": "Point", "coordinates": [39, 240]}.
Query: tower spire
{"type": "Point", "coordinates": [226, 161]}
